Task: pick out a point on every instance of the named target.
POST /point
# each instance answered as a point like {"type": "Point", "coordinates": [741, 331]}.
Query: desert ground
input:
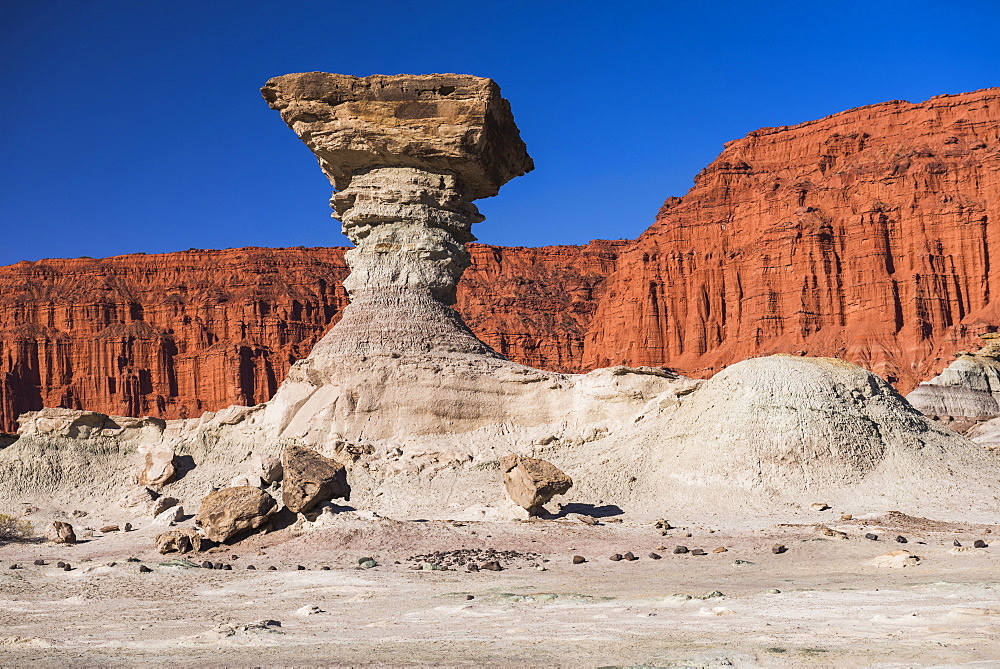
{"type": "Point", "coordinates": [821, 602]}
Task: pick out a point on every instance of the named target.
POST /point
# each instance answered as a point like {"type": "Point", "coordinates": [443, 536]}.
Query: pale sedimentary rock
{"type": "Point", "coordinates": [228, 512]}
{"type": "Point", "coordinates": [967, 392]}
{"type": "Point", "coordinates": [532, 482]}
{"type": "Point", "coordinates": [158, 464]}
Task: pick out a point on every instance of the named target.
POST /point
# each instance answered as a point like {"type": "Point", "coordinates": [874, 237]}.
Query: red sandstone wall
{"type": "Point", "coordinates": [178, 334]}
{"type": "Point", "coordinates": [870, 235]}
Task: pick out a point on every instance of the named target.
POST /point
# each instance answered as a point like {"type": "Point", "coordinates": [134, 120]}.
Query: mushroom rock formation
{"type": "Point", "coordinates": [408, 155]}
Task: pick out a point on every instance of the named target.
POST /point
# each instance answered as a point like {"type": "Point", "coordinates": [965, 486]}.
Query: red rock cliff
{"type": "Point", "coordinates": [870, 235]}
{"type": "Point", "coordinates": [178, 334]}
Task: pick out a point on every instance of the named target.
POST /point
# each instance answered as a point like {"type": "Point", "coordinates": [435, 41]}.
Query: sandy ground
{"type": "Point", "coordinates": [820, 603]}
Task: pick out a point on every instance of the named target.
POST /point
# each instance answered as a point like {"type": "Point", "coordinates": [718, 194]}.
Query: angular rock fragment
{"type": "Point", "coordinates": [680, 550]}
{"type": "Point", "coordinates": [267, 467]}
{"type": "Point", "coordinates": [310, 478]}
{"type": "Point", "coordinates": [60, 533]}
{"type": "Point", "coordinates": [896, 559]}
{"type": "Point", "coordinates": [178, 541]}
{"type": "Point", "coordinates": [158, 464]}
{"type": "Point", "coordinates": [531, 482]}
{"type": "Point", "coordinates": [230, 511]}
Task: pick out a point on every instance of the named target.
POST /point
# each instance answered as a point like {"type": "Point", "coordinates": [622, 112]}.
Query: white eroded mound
{"type": "Point", "coordinates": [766, 436]}
{"type": "Point", "coordinates": [785, 432]}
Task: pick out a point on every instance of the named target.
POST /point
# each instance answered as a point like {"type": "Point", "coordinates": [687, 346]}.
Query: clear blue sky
{"type": "Point", "coordinates": [137, 125]}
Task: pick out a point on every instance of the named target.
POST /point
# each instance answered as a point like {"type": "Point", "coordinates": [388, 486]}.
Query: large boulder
{"type": "Point", "coordinates": [310, 478]}
{"type": "Point", "coordinates": [158, 464]}
{"type": "Point", "coordinates": [531, 482]}
{"type": "Point", "coordinates": [230, 511]}
{"type": "Point", "coordinates": [60, 533]}
{"type": "Point", "coordinates": [178, 541]}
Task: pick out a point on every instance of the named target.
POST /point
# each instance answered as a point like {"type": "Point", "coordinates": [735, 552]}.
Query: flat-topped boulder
{"type": "Point", "coordinates": [455, 123]}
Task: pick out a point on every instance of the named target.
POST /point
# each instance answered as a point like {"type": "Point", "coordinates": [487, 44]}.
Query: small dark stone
{"type": "Point", "coordinates": [217, 565]}
{"type": "Point", "coordinates": [60, 564]}
{"type": "Point", "coordinates": [272, 568]}
{"type": "Point", "coordinates": [980, 544]}
{"type": "Point", "coordinates": [680, 550]}
{"type": "Point", "coordinates": [250, 567]}
{"type": "Point", "coordinates": [471, 567]}
{"type": "Point", "coordinates": [14, 566]}
{"type": "Point", "coordinates": [698, 551]}
{"type": "Point", "coordinates": [227, 567]}
{"type": "Point", "coordinates": [143, 569]}
{"type": "Point", "coordinates": [470, 596]}
{"type": "Point", "coordinates": [328, 569]}
{"type": "Point", "coordinates": [579, 559]}
{"type": "Point", "coordinates": [67, 567]}
{"type": "Point", "coordinates": [112, 564]}
{"type": "Point", "coordinates": [128, 527]}
{"type": "Point", "coordinates": [133, 559]}
{"type": "Point", "coordinates": [207, 565]}
{"type": "Point", "coordinates": [654, 556]}
{"type": "Point", "coordinates": [956, 542]}
{"type": "Point", "coordinates": [630, 557]}
{"type": "Point", "coordinates": [616, 557]}
{"type": "Point", "coordinates": [40, 562]}
{"type": "Point", "coordinates": [778, 549]}
{"type": "Point", "coordinates": [492, 565]}
{"type": "Point", "coordinates": [872, 537]}
{"type": "Point", "coordinates": [901, 539]}
{"type": "Point", "coordinates": [301, 568]}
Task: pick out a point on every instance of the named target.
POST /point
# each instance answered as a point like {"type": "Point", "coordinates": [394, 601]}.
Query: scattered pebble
{"type": "Point", "coordinates": [774, 591]}
{"type": "Point", "coordinates": [741, 563]}
{"type": "Point", "coordinates": [128, 527]}
{"type": "Point", "coordinates": [847, 516]}
{"type": "Point", "coordinates": [206, 565]}
{"type": "Point", "coordinates": [616, 557]}
{"type": "Point", "coordinates": [300, 568]}
{"type": "Point", "coordinates": [778, 549]}
{"type": "Point", "coordinates": [698, 551]}
{"type": "Point", "coordinates": [109, 528]}
{"type": "Point", "coordinates": [579, 559]}
{"type": "Point", "coordinates": [60, 564]}
{"type": "Point", "coordinates": [871, 537]}
{"type": "Point", "coordinates": [217, 565]}
{"type": "Point", "coordinates": [979, 543]}
{"type": "Point", "coordinates": [326, 568]}
{"type": "Point", "coordinates": [629, 556]}
{"type": "Point", "coordinates": [655, 556]}
{"type": "Point", "coordinates": [14, 566]}
{"type": "Point", "coordinates": [143, 569]}
{"type": "Point", "coordinates": [680, 550]}
{"type": "Point", "coordinates": [820, 506]}
{"type": "Point", "coordinates": [227, 567]}
{"type": "Point", "coordinates": [467, 597]}
{"type": "Point", "coordinates": [901, 539]}
{"type": "Point", "coordinates": [272, 568]}
{"type": "Point", "coordinates": [956, 542]}
{"type": "Point", "coordinates": [67, 567]}
{"type": "Point", "coordinates": [250, 567]}
{"type": "Point", "coordinates": [40, 562]}
{"type": "Point", "coordinates": [472, 566]}
{"type": "Point", "coordinates": [720, 549]}
{"type": "Point", "coordinates": [492, 565]}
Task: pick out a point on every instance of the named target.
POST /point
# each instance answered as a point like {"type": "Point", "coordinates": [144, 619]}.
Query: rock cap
{"type": "Point", "coordinates": [437, 122]}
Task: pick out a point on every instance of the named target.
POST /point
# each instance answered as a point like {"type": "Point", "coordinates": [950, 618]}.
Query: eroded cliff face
{"type": "Point", "coordinates": [174, 335]}
{"type": "Point", "coordinates": [866, 235]}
